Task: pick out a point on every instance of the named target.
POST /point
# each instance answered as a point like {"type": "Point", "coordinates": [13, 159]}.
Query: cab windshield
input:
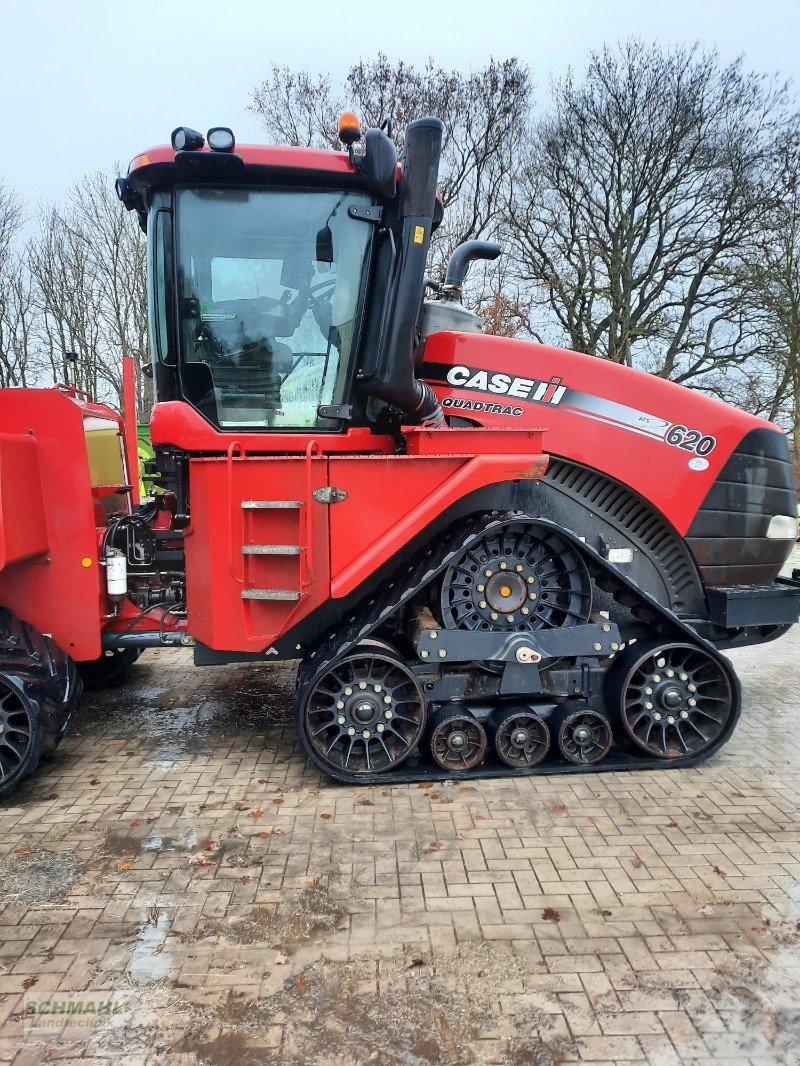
{"type": "Point", "coordinates": [269, 290]}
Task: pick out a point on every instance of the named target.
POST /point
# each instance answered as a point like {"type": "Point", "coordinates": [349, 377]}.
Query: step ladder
{"type": "Point", "coordinates": [269, 515]}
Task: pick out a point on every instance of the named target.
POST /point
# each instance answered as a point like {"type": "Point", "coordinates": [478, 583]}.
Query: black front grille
{"type": "Point", "coordinates": [729, 533]}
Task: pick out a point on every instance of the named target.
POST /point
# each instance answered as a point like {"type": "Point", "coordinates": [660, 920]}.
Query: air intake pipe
{"type": "Point", "coordinates": [393, 378]}
{"type": "Point", "coordinates": [459, 262]}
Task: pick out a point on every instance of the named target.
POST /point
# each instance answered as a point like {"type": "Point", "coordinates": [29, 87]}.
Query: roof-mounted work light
{"type": "Point", "coordinates": [184, 139]}
{"type": "Point", "coordinates": [220, 139]}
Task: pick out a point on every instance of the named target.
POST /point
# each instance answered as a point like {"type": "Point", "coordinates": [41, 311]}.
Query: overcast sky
{"type": "Point", "coordinates": [86, 82]}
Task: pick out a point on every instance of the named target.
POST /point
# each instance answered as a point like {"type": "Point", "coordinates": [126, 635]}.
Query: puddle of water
{"type": "Point", "coordinates": [149, 692]}
{"type": "Point", "coordinates": [186, 840]}
{"type": "Point", "coordinates": [150, 959]}
{"type": "Point", "coordinates": [183, 732]}
{"type": "Point", "coordinates": [123, 844]}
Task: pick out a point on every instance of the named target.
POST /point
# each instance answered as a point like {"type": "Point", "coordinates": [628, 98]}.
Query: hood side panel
{"type": "Point", "coordinates": [666, 442]}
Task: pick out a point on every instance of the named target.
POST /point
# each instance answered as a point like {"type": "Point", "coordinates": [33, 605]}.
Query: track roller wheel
{"type": "Point", "coordinates": [521, 738]}
{"type": "Point", "coordinates": [363, 715]}
{"type": "Point", "coordinates": [18, 732]}
{"type": "Point", "coordinates": [583, 736]}
{"type": "Point", "coordinates": [457, 740]}
{"type": "Point", "coordinates": [674, 700]}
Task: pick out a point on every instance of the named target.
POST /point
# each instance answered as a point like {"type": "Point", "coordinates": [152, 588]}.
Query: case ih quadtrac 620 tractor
{"type": "Point", "coordinates": [490, 557]}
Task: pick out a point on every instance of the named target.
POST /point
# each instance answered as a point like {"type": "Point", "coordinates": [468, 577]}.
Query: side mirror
{"type": "Point", "coordinates": [324, 253]}
{"type": "Point", "coordinates": [379, 163]}
{"type": "Point", "coordinates": [147, 369]}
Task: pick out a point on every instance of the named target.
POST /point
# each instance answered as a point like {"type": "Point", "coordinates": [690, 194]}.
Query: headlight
{"type": "Point", "coordinates": [782, 527]}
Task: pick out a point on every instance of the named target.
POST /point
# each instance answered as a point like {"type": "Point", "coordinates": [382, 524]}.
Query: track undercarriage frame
{"type": "Point", "coordinates": [594, 695]}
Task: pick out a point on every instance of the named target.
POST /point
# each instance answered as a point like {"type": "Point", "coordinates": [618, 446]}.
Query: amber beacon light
{"type": "Point", "coordinates": [349, 128]}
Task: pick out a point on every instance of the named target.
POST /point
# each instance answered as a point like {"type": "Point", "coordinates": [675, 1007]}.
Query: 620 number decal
{"type": "Point", "coordinates": [690, 440]}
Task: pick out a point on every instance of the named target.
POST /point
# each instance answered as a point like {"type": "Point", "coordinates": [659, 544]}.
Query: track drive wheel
{"type": "Point", "coordinates": [110, 667]}
{"type": "Point", "coordinates": [584, 736]}
{"type": "Point", "coordinates": [521, 738]}
{"type": "Point", "coordinates": [363, 715]}
{"type": "Point", "coordinates": [520, 577]}
{"type": "Point", "coordinates": [39, 690]}
{"type": "Point", "coordinates": [674, 700]}
{"type": "Point", "coordinates": [457, 740]}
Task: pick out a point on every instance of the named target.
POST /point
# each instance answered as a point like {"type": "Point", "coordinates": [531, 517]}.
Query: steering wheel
{"type": "Point", "coordinates": [320, 300]}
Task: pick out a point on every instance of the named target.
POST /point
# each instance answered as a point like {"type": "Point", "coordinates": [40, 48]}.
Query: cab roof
{"type": "Point", "coordinates": [259, 155]}
{"type": "Point", "coordinates": [253, 164]}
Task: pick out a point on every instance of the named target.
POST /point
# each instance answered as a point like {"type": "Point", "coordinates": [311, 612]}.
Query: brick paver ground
{"type": "Point", "coordinates": [180, 861]}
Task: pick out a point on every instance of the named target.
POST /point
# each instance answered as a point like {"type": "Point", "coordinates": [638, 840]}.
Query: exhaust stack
{"type": "Point", "coordinates": [393, 378]}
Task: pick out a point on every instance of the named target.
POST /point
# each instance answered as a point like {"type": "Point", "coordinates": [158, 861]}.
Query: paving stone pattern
{"type": "Point", "coordinates": [181, 869]}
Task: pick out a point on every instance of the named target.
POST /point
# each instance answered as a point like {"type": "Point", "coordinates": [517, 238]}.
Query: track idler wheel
{"type": "Point", "coordinates": [363, 715]}
{"type": "Point", "coordinates": [674, 700]}
{"type": "Point", "coordinates": [583, 736]}
{"type": "Point", "coordinates": [521, 738]}
{"type": "Point", "coordinates": [457, 740]}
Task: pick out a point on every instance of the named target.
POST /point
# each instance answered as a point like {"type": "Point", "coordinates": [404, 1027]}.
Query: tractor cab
{"type": "Point", "coordinates": [274, 277]}
{"type": "Point", "coordinates": [269, 288]}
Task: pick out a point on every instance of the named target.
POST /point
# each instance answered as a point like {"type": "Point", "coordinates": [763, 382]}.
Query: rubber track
{"type": "Point", "coordinates": [410, 580]}
{"type": "Point", "coordinates": [49, 681]}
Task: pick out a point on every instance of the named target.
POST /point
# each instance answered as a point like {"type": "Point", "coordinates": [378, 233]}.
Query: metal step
{"type": "Point", "coordinates": [271, 549]}
{"type": "Point", "coordinates": [271, 594]}
{"type": "Point", "coordinates": [271, 505]}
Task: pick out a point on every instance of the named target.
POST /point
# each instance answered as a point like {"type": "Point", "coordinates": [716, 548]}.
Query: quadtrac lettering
{"type": "Point", "coordinates": [478, 405]}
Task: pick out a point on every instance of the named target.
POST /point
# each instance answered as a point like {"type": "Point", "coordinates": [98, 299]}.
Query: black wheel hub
{"type": "Point", "coordinates": [365, 714]}
{"type": "Point", "coordinates": [675, 700]}
{"type": "Point", "coordinates": [16, 730]}
{"type": "Point", "coordinates": [365, 711]}
{"type": "Point", "coordinates": [521, 738]}
{"type": "Point", "coordinates": [521, 577]}
{"type": "Point", "coordinates": [506, 592]}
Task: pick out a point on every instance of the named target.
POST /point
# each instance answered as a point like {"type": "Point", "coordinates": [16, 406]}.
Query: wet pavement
{"type": "Point", "coordinates": [178, 886]}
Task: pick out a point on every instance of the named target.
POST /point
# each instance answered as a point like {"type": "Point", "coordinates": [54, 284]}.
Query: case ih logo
{"type": "Point", "coordinates": [467, 377]}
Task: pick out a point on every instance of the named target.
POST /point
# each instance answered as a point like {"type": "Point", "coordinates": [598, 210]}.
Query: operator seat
{"type": "Point", "coordinates": [246, 391]}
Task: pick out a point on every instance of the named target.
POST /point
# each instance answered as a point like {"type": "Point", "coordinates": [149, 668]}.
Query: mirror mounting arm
{"type": "Point", "coordinates": [369, 213]}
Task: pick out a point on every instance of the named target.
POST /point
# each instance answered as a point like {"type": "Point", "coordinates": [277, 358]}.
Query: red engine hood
{"type": "Point", "coordinates": [666, 442]}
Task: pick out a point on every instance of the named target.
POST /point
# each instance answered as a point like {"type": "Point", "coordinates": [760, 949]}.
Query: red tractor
{"type": "Point", "coordinates": [489, 557]}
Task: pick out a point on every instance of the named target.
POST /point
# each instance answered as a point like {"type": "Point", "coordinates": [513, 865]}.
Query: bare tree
{"type": "Point", "coordinates": [643, 187]}
{"type": "Point", "coordinates": [770, 286]}
{"type": "Point", "coordinates": [117, 255]}
{"type": "Point", "coordinates": [88, 271]}
{"type": "Point", "coordinates": [483, 113]}
{"type": "Point", "coordinates": [16, 364]}
{"type": "Point", "coordinates": [297, 108]}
